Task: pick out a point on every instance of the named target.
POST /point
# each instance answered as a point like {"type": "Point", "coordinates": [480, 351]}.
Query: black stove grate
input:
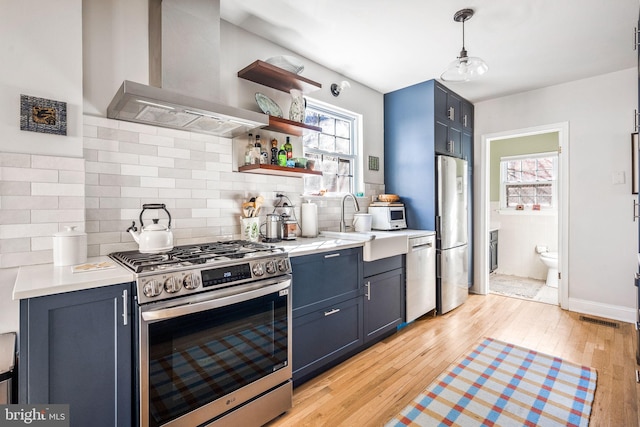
{"type": "Point", "coordinates": [187, 255]}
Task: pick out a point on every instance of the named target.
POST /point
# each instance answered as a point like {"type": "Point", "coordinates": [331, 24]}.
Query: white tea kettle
{"type": "Point", "coordinates": [153, 238]}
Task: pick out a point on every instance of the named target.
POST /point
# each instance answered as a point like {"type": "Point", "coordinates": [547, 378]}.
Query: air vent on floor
{"type": "Point", "coordinates": [600, 322]}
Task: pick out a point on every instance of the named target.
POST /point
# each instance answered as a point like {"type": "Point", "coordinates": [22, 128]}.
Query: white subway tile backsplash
{"type": "Point", "coordinates": [25, 258]}
{"type": "Point", "coordinates": [190, 164]}
{"type": "Point", "coordinates": [28, 174]}
{"type": "Point", "coordinates": [15, 160]}
{"type": "Point", "coordinates": [89, 131]}
{"type": "Point", "coordinates": [120, 180]}
{"type": "Point", "coordinates": [157, 182]}
{"type": "Point", "coordinates": [191, 145]}
{"type": "Point", "coordinates": [190, 183]}
{"type": "Point", "coordinates": [71, 202]}
{"type": "Point", "coordinates": [137, 127]}
{"type": "Point", "coordinates": [41, 243]}
{"type": "Point", "coordinates": [137, 148]}
{"type": "Point", "coordinates": [102, 191]}
{"type": "Point", "coordinates": [174, 173]}
{"type": "Point", "coordinates": [107, 168]}
{"type": "Point", "coordinates": [22, 244]}
{"type": "Point", "coordinates": [29, 202]}
{"type": "Point", "coordinates": [51, 189]}
{"type": "Point", "coordinates": [174, 153]}
{"type": "Point", "coordinates": [71, 177]}
{"type": "Point", "coordinates": [117, 134]}
{"type": "Point", "coordinates": [98, 144]}
{"type": "Point", "coordinates": [173, 133]}
{"type": "Point", "coordinates": [139, 192]}
{"type": "Point", "coordinates": [9, 188]}
{"type": "Point", "coordinates": [137, 170]}
{"type": "Point", "coordinates": [174, 193]}
{"type": "Point", "coordinates": [125, 159]}
{"type": "Point", "coordinates": [57, 215]}
{"type": "Point", "coordinates": [157, 161]}
{"type": "Point", "coordinates": [16, 231]}
{"type": "Point", "coordinates": [118, 203]}
{"type": "Point", "coordinates": [61, 163]}
{"type": "Point", "coordinates": [206, 213]}
{"type": "Point", "coordinates": [158, 140]}
{"type": "Point", "coordinates": [15, 216]}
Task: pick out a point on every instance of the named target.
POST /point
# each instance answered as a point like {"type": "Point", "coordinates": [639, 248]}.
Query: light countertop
{"type": "Point", "coordinates": [46, 279]}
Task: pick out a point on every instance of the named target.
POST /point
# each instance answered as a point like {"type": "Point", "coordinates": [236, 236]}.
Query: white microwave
{"type": "Point", "coordinates": [388, 217]}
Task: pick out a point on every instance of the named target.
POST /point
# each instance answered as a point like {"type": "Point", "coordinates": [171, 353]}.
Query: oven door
{"type": "Point", "coordinates": [213, 352]}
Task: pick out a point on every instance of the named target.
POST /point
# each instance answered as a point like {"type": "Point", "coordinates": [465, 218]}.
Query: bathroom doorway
{"type": "Point", "coordinates": [524, 198]}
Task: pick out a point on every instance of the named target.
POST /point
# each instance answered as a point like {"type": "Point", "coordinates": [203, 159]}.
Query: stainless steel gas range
{"type": "Point", "coordinates": [213, 334]}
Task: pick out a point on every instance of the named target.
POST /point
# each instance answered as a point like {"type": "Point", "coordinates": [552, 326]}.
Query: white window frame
{"type": "Point", "coordinates": [554, 181]}
{"type": "Point", "coordinates": [356, 143]}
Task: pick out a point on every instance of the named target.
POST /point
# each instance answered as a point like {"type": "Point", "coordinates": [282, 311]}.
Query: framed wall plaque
{"type": "Point", "coordinates": [43, 115]}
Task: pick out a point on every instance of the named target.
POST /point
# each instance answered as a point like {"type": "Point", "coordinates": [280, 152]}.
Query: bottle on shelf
{"type": "Point", "coordinates": [248, 154]}
{"type": "Point", "coordinates": [257, 150]}
{"type": "Point", "coordinates": [274, 151]}
{"type": "Point", "coordinates": [289, 149]}
{"type": "Point", "coordinates": [282, 157]}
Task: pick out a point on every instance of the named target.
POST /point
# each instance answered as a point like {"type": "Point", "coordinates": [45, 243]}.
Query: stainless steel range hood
{"type": "Point", "coordinates": [184, 58]}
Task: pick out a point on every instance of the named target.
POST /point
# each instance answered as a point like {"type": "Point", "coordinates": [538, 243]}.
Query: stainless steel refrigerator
{"type": "Point", "coordinates": [452, 286]}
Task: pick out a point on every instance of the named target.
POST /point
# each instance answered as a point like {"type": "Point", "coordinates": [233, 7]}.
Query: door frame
{"type": "Point", "coordinates": [481, 275]}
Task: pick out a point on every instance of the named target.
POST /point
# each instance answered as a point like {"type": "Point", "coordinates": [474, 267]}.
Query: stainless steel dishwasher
{"type": "Point", "coordinates": [421, 276]}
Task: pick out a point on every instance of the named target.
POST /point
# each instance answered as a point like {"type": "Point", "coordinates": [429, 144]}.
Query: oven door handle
{"type": "Point", "coordinates": [233, 296]}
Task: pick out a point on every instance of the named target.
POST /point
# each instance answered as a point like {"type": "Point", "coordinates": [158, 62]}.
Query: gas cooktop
{"type": "Point", "coordinates": [194, 256]}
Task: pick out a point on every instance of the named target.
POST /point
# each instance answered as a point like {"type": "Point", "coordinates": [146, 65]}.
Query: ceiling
{"type": "Point", "coordinates": [391, 44]}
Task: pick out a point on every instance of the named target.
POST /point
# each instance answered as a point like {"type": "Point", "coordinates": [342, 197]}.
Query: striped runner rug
{"type": "Point", "coordinates": [501, 384]}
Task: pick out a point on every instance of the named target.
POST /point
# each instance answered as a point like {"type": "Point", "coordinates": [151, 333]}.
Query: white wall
{"type": "Point", "coordinates": [602, 234]}
{"type": "Point", "coordinates": [41, 51]}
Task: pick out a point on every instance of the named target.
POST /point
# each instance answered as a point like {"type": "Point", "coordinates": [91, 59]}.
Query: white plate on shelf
{"type": "Point", "coordinates": [287, 63]}
{"type": "Point", "coordinates": [268, 105]}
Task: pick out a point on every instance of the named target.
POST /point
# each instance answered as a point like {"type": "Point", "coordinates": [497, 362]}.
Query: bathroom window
{"type": "Point", "coordinates": [334, 150]}
{"type": "Point", "coordinates": [528, 181]}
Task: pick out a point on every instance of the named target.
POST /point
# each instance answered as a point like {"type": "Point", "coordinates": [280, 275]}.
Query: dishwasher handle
{"type": "Point", "coordinates": [423, 246]}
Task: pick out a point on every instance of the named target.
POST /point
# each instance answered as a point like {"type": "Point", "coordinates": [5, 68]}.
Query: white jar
{"type": "Point", "coordinates": [69, 247]}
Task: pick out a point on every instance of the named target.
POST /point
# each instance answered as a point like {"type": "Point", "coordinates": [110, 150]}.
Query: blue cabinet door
{"type": "Point", "coordinates": [383, 304]}
{"type": "Point", "coordinates": [76, 349]}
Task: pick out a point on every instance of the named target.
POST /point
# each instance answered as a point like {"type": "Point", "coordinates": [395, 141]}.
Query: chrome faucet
{"type": "Point", "coordinates": [343, 225]}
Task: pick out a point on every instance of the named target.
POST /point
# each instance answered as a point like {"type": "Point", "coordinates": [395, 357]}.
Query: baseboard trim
{"type": "Point", "coordinates": [615, 312]}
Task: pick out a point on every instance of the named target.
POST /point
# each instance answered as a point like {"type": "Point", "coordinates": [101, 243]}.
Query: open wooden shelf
{"type": "Point", "coordinates": [274, 77]}
{"type": "Point", "coordinates": [277, 170]}
{"type": "Point", "coordinates": [278, 124]}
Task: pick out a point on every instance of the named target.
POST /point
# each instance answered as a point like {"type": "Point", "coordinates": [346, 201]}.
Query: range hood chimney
{"type": "Point", "coordinates": [184, 76]}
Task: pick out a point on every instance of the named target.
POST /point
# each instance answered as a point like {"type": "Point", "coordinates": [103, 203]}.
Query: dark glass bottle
{"type": "Point", "coordinates": [289, 149]}
{"type": "Point", "coordinates": [282, 157]}
{"type": "Point", "coordinates": [274, 151]}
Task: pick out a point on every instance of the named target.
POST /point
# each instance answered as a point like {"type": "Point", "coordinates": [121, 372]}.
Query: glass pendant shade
{"type": "Point", "coordinates": [464, 69]}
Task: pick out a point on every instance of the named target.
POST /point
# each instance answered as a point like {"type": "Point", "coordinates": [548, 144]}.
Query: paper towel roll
{"type": "Point", "coordinates": [309, 219]}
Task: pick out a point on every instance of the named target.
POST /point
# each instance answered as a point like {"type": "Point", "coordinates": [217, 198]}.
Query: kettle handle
{"type": "Point", "coordinates": [154, 206]}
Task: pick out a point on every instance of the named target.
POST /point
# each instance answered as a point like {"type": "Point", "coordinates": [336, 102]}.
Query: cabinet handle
{"type": "Point", "coordinates": [464, 120]}
{"type": "Point", "coordinates": [332, 255]}
{"type": "Point", "coordinates": [635, 210]}
{"type": "Point", "coordinates": [330, 312]}
{"type": "Point", "coordinates": [452, 113]}
{"type": "Point", "coordinates": [636, 126]}
{"type": "Point", "coordinates": [125, 304]}
{"type": "Point", "coordinates": [450, 146]}
{"type": "Point", "coordinates": [635, 38]}
{"type": "Point", "coordinates": [368, 293]}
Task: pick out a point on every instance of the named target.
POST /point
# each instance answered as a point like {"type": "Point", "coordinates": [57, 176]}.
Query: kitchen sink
{"type": "Point", "coordinates": [377, 244]}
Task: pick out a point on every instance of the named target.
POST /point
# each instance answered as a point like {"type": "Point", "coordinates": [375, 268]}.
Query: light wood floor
{"type": "Point", "coordinates": [373, 386]}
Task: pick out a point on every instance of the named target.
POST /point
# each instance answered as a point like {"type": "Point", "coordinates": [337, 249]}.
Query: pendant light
{"type": "Point", "coordinates": [464, 68]}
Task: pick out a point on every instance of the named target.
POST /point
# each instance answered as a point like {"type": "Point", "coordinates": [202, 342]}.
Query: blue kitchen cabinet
{"type": "Point", "coordinates": [420, 122]}
{"type": "Point", "coordinates": [327, 310]}
{"type": "Point", "coordinates": [76, 349]}
{"type": "Point", "coordinates": [384, 297]}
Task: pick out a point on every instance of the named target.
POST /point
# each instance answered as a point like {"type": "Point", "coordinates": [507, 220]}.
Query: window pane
{"type": "Point", "coordinates": [310, 140]}
{"type": "Point", "coordinates": [327, 143]}
{"type": "Point", "coordinates": [343, 146]}
{"type": "Point", "coordinates": [343, 128]}
{"type": "Point", "coordinates": [513, 176]}
{"type": "Point", "coordinates": [311, 118]}
{"type": "Point", "coordinates": [328, 125]}
{"type": "Point", "coordinates": [527, 195]}
{"type": "Point", "coordinates": [545, 169]}
{"type": "Point", "coordinates": [344, 167]}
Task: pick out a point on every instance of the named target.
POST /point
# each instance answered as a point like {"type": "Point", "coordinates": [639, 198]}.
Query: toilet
{"type": "Point", "coordinates": [549, 259]}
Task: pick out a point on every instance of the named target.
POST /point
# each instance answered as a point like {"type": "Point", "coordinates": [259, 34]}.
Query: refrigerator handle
{"type": "Point", "coordinates": [438, 266]}
{"type": "Point", "coordinates": [438, 225]}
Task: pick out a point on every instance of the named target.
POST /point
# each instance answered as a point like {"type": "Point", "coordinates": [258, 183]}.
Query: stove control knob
{"type": "Point", "coordinates": [191, 281]}
{"type": "Point", "coordinates": [283, 265]}
{"type": "Point", "coordinates": [271, 267]}
{"type": "Point", "coordinates": [172, 285]}
{"type": "Point", "coordinates": [258, 269]}
{"type": "Point", "coordinates": [152, 288]}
